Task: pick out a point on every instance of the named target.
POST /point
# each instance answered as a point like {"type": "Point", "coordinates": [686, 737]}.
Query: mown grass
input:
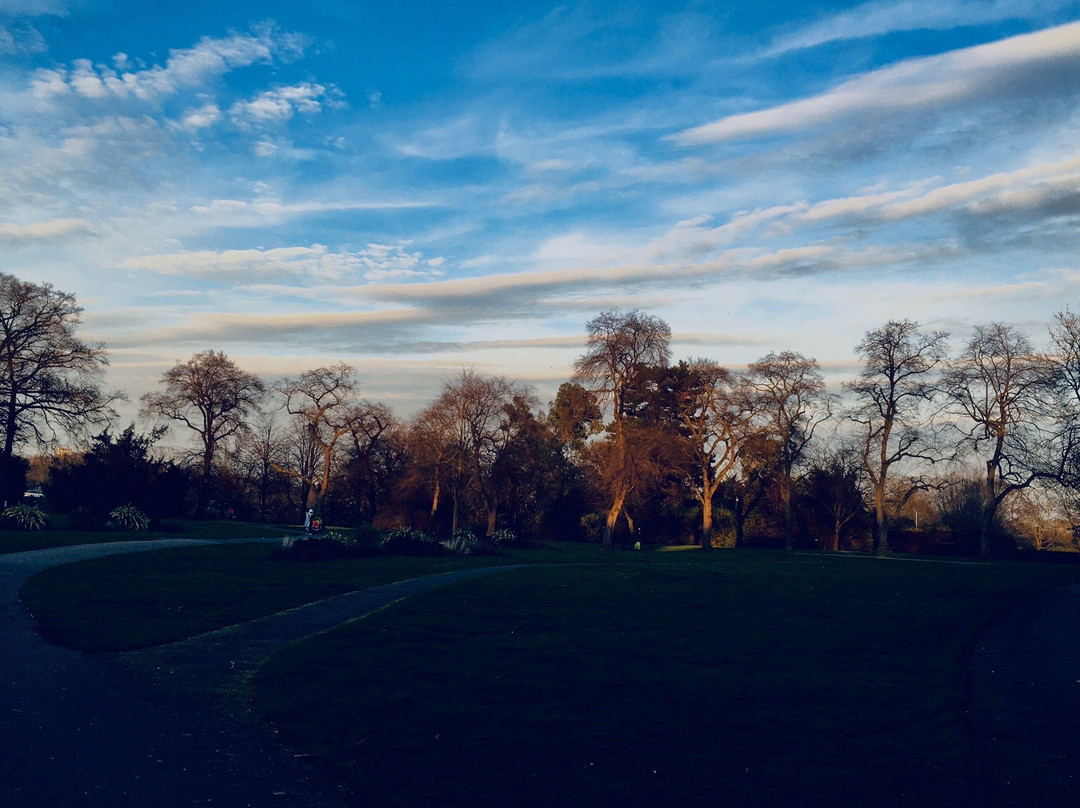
{"type": "Point", "coordinates": [745, 679]}
{"type": "Point", "coordinates": [17, 541]}
{"type": "Point", "coordinates": [138, 600]}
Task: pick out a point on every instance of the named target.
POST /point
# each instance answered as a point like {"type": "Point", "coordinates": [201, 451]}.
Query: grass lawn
{"type": "Point", "coordinates": [651, 678]}
{"type": "Point", "coordinates": [17, 541]}
{"type": "Point", "coordinates": [125, 602]}
{"type": "Point", "coordinates": [743, 679]}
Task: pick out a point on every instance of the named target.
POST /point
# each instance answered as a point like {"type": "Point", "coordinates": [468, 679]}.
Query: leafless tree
{"type": "Point", "coordinates": [372, 434]}
{"type": "Point", "coordinates": [213, 397]}
{"type": "Point", "coordinates": [787, 399]}
{"type": "Point", "coordinates": [619, 345]}
{"type": "Point", "coordinates": [1000, 389]}
{"type": "Point", "coordinates": [475, 409]}
{"type": "Point", "coordinates": [430, 440]}
{"type": "Point", "coordinates": [715, 425]}
{"type": "Point", "coordinates": [50, 380]}
{"type": "Point", "coordinates": [325, 402]}
{"type": "Point", "coordinates": [891, 394]}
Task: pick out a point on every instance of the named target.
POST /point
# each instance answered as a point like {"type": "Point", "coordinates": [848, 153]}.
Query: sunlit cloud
{"type": "Point", "coordinates": [993, 70]}
{"type": "Point", "coordinates": [14, 235]}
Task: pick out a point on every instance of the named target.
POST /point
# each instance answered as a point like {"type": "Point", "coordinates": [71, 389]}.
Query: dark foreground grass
{"type": "Point", "coordinates": [126, 602]}
{"type": "Point", "coordinates": [745, 680]}
{"type": "Point", "coordinates": [17, 541]}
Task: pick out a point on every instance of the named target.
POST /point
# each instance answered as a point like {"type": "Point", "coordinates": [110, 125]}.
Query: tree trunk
{"type": "Point", "coordinates": [789, 521]}
{"type": "Point", "coordinates": [435, 500]}
{"type": "Point", "coordinates": [612, 518]}
{"type": "Point", "coordinates": [881, 537]}
{"type": "Point", "coordinates": [706, 522]}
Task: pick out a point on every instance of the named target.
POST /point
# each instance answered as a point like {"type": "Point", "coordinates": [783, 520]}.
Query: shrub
{"type": "Point", "coordinates": [461, 542]}
{"type": "Point", "coordinates": [128, 517]}
{"type": "Point", "coordinates": [26, 517]}
{"type": "Point", "coordinates": [504, 536]}
{"type": "Point", "coordinates": [409, 542]}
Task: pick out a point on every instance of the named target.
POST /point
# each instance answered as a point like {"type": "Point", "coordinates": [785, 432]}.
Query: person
{"type": "Point", "coordinates": [307, 520]}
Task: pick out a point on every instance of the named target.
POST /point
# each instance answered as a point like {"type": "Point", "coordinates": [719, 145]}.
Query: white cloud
{"type": "Point", "coordinates": [185, 69]}
{"type": "Point", "coordinates": [245, 267]}
{"type": "Point", "coordinates": [14, 235]}
{"type": "Point", "coordinates": [280, 104]}
{"type": "Point", "coordinates": [878, 18]}
{"type": "Point", "coordinates": [202, 117]}
{"type": "Point", "coordinates": [932, 82]}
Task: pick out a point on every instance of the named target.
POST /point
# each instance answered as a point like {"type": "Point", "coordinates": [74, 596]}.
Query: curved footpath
{"type": "Point", "coordinates": [88, 730]}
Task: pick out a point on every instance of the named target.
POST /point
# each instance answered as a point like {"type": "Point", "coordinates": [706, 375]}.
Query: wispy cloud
{"type": "Point", "coordinates": [994, 70]}
{"type": "Point", "coordinates": [14, 235]}
{"type": "Point", "coordinates": [185, 69]}
{"type": "Point", "coordinates": [879, 18]}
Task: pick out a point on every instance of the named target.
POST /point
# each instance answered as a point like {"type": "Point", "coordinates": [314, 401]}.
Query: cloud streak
{"type": "Point", "coordinates": [992, 70]}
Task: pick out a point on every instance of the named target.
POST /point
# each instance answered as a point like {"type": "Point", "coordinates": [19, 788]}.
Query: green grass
{"type": "Point", "coordinates": [746, 679]}
{"type": "Point", "coordinates": [17, 541]}
{"type": "Point", "coordinates": [652, 678]}
{"type": "Point", "coordinates": [133, 601]}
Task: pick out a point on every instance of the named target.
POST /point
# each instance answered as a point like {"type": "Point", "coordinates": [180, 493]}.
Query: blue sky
{"type": "Point", "coordinates": [420, 188]}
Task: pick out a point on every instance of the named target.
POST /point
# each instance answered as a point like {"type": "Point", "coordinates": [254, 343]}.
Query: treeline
{"type": "Point", "coordinates": [972, 451]}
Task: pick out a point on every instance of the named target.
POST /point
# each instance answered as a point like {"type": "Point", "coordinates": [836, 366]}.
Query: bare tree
{"type": "Point", "coordinates": [213, 397]}
{"type": "Point", "coordinates": [325, 402]}
{"type": "Point", "coordinates": [619, 345]}
{"type": "Point", "coordinates": [372, 434]}
{"type": "Point", "coordinates": [50, 380]}
{"type": "Point", "coordinates": [714, 424]}
{"type": "Point", "coordinates": [477, 408]}
{"type": "Point", "coordinates": [787, 399]}
{"type": "Point", "coordinates": [258, 453]}
{"type": "Point", "coordinates": [999, 388]}
{"type": "Point", "coordinates": [896, 383]}
{"type": "Point", "coordinates": [832, 484]}
{"type": "Point", "coordinates": [430, 439]}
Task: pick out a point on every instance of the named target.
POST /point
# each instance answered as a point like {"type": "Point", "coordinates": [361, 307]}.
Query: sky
{"type": "Point", "coordinates": [421, 188]}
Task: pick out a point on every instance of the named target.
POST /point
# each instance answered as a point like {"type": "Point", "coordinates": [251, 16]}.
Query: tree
{"type": "Point", "coordinates": [325, 403]}
{"type": "Point", "coordinates": [713, 421]}
{"type": "Point", "coordinates": [476, 409]}
{"type": "Point", "coordinates": [50, 380]}
{"type": "Point", "coordinates": [120, 470]}
{"type": "Point", "coordinates": [430, 441]}
{"type": "Point", "coordinates": [574, 415]}
{"type": "Point", "coordinates": [832, 487]}
{"type": "Point", "coordinates": [213, 397]}
{"type": "Point", "coordinates": [999, 388]}
{"type": "Point", "coordinates": [374, 459]}
{"type": "Point", "coordinates": [256, 456]}
{"type": "Point", "coordinates": [892, 390]}
{"type": "Point", "coordinates": [786, 397]}
{"type": "Point", "coordinates": [619, 346]}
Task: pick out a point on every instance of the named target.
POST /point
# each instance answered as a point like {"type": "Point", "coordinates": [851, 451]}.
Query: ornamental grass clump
{"type": "Point", "coordinates": [128, 517]}
{"type": "Point", "coordinates": [26, 517]}
{"type": "Point", "coordinates": [409, 542]}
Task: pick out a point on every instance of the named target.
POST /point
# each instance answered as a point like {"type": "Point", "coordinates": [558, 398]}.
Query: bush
{"type": "Point", "coordinates": [409, 542]}
{"type": "Point", "coordinates": [128, 517]}
{"type": "Point", "coordinates": [26, 517]}
{"type": "Point", "coordinates": [325, 548]}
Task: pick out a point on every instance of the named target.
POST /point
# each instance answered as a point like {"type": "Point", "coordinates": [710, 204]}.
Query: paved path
{"type": "Point", "coordinates": [88, 730]}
